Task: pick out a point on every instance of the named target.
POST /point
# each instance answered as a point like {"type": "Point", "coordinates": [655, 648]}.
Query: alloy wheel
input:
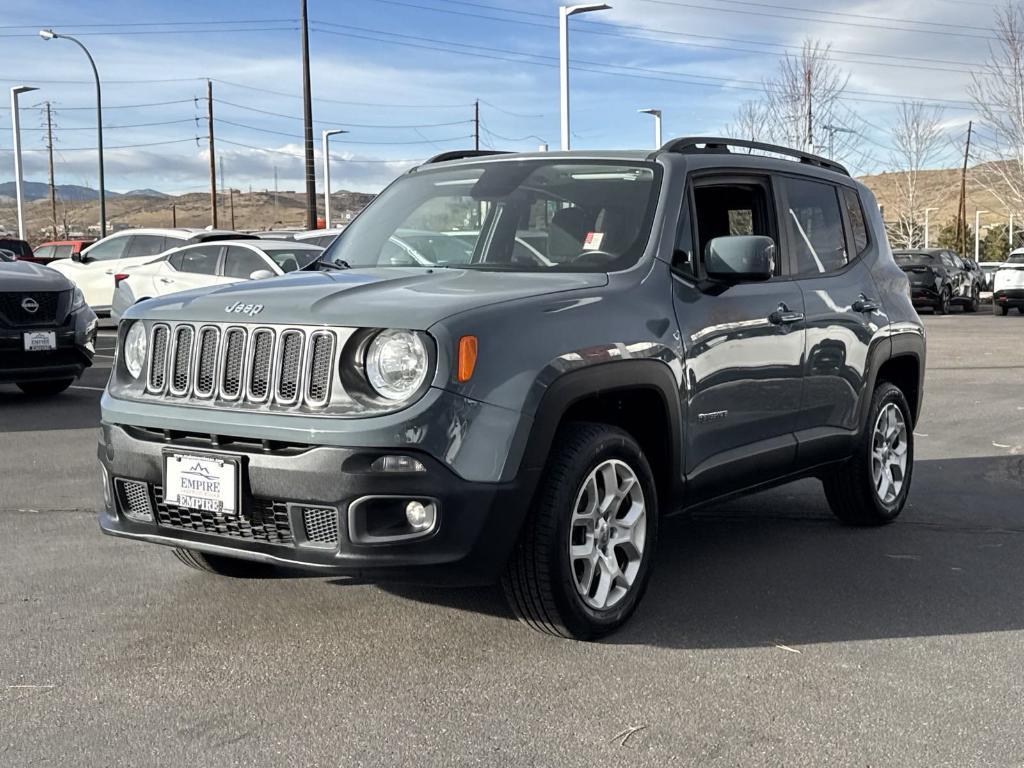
{"type": "Point", "coordinates": [607, 534]}
{"type": "Point", "coordinates": [889, 453]}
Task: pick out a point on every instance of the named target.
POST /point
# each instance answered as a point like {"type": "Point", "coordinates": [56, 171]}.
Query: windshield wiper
{"type": "Point", "coordinates": [319, 262]}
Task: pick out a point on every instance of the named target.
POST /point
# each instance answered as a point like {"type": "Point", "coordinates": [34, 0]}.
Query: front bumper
{"type": "Point", "coordinates": [478, 523]}
{"type": "Point", "coordinates": [74, 352]}
{"type": "Point", "coordinates": [1010, 297]}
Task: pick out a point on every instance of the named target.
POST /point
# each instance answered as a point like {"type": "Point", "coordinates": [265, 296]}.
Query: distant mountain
{"type": "Point", "coordinates": [36, 190]}
{"type": "Point", "coordinates": [146, 193]}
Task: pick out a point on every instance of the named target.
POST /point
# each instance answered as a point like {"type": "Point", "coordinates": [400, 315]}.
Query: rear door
{"type": "Point", "coordinates": [744, 345]}
{"type": "Point", "coordinates": [241, 262]}
{"type": "Point", "coordinates": [95, 277]}
{"type": "Point", "coordinates": [826, 241]}
{"type": "Point", "coordinates": [194, 266]}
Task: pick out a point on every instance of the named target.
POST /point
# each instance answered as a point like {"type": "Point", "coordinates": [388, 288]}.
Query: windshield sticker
{"type": "Point", "coordinates": [593, 241]}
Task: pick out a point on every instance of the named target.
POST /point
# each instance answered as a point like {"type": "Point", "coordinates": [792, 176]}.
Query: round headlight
{"type": "Point", "coordinates": [396, 364]}
{"type": "Point", "coordinates": [135, 344]}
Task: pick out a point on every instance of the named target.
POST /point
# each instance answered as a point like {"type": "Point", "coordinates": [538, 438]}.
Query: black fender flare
{"type": "Point", "coordinates": [601, 378]}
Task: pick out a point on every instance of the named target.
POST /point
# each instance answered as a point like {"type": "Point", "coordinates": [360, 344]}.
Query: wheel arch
{"type": "Point", "coordinates": [639, 396]}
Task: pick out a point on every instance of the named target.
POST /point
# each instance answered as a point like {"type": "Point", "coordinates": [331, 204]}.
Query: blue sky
{"type": "Point", "coordinates": [402, 76]}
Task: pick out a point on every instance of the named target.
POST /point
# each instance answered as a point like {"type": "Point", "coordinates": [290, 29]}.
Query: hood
{"type": "Point", "coordinates": [21, 276]}
{"type": "Point", "coordinates": [413, 298]}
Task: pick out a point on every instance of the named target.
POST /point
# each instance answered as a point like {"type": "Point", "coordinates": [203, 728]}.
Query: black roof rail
{"type": "Point", "coordinates": [695, 145]}
{"type": "Point", "coordinates": [462, 154]}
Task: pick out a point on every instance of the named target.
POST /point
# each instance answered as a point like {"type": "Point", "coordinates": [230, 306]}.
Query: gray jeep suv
{"type": "Point", "coordinates": [621, 336]}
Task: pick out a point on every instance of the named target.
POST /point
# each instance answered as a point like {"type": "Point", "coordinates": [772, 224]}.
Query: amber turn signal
{"type": "Point", "coordinates": [467, 358]}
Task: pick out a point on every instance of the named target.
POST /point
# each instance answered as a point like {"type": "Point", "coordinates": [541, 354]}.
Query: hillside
{"type": "Point", "coordinates": [149, 208]}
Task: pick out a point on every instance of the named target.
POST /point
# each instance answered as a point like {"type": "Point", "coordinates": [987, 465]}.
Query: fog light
{"type": "Point", "coordinates": [420, 516]}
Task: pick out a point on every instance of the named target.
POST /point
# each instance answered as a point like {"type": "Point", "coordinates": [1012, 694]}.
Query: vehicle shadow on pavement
{"type": "Point", "coordinates": [776, 568]}
{"type": "Point", "coordinates": [72, 409]}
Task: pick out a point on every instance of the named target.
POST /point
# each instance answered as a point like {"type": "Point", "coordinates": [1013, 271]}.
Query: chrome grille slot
{"type": "Point", "coordinates": [206, 361]}
{"type": "Point", "coordinates": [232, 369]}
{"type": "Point", "coordinates": [181, 360]}
{"type": "Point", "coordinates": [158, 360]}
{"type": "Point", "coordinates": [261, 356]}
{"type": "Point", "coordinates": [289, 365]}
{"type": "Point", "coordinates": [319, 368]}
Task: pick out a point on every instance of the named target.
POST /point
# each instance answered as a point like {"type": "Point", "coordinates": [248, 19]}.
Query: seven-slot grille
{"type": "Point", "coordinates": [285, 366]}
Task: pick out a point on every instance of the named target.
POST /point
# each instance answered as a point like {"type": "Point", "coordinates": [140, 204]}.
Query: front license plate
{"type": "Point", "coordinates": [40, 341]}
{"type": "Point", "coordinates": [207, 483]}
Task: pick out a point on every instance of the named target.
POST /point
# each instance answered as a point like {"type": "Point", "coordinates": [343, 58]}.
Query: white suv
{"type": "Point", "coordinates": [94, 268]}
{"type": "Point", "coordinates": [1008, 284]}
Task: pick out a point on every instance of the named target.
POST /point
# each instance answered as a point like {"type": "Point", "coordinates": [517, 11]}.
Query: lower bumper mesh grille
{"type": "Point", "coordinates": [262, 520]}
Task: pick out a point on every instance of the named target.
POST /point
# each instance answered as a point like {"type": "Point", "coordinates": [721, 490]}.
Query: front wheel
{"type": "Point", "coordinates": [972, 305]}
{"type": "Point", "coordinates": [585, 553]}
{"type": "Point", "coordinates": [871, 487]}
{"type": "Point", "coordinates": [233, 567]}
{"type": "Point", "coordinates": [942, 305]}
{"type": "Point", "coordinates": [1000, 309]}
{"type": "Point", "coordinates": [44, 388]}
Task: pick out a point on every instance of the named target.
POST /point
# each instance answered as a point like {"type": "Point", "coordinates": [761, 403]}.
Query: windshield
{"type": "Point", "coordinates": [521, 215]}
{"type": "Point", "coordinates": [1015, 258]}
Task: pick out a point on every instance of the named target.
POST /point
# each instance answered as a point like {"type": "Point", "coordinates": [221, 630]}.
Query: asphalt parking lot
{"type": "Point", "coordinates": [769, 636]}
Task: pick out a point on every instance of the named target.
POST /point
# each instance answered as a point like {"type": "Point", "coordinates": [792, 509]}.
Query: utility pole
{"type": "Point", "coordinates": [961, 219]}
{"type": "Point", "coordinates": [213, 157]}
{"type": "Point", "coordinates": [223, 181]}
{"type": "Point", "coordinates": [275, 195]}
{"type": "Point", "coordinates": [49, 151]}
{"type": "Point", "coordinates": [174, 215]}
{"type": "Point", "coordinates": [307, 116]}
{"type": "Point", "coordinates": [810, 108]}
{"type": "Point", "coordinates": [231, 197]}
{"type": "Point", "coordinates": [476, 124]}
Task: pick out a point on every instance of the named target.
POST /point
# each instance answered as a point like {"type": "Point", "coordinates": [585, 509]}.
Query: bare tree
{"type": "Point", "coordinates": [997, 90]}
{"type": "Point", "coordinates": [918, 140]}
{"type": "Point", "coordinates": [801, 106]}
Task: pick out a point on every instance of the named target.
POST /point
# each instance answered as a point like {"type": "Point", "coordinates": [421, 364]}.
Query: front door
{"type": "Point", "coordinates": [744, 346]}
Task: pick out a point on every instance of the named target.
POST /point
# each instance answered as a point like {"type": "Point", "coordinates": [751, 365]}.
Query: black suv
{"type": "Point", "coordinates": [618, 336]}
{"type": "Point", "coordinates": [940, 278]}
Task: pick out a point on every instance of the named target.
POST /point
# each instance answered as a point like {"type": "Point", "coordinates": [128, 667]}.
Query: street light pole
{"type": "Point", "coordinates": [926, 229]}
{"type": "Point", "coordinates": [656, 113]}
{"type": "Point", "coordinates": [977, 234]}
{"type": "Point", "coordinates": [49, 34]}
{"type": "Point", "coordinates": [832, 131]}
{"type": "Point", "coordinates": [564, 13]}
{"type": "Point", "coordinates": [327, 174]}
{"type": "Point", "coordinates": [16, 126]}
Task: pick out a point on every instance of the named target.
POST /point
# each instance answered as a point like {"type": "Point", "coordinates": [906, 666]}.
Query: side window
{"type": "Point", "coordinates": [958, 263]}
{"type": "Point", "coordinates": [145, 245]}
{"type": "Point", "coordinates": [858, 223]}
{"type": "Point", "coordinates": [201, 260]}
{"type": "Point", "coordinates": [175, 260]}
{"type": "Point", "coordinates": [62, 251]}
{"type": "Point", "coordinates": [814, 225]}
{"type": "Point", "coordinates": [111, 248]}
{"type": "Point", "coordinates": [728, 210]}
{"type": "Point", "coordinates": [44, 252]}
{"type": "Point", "coordinates": [947, 261]}
{"type": "Point", "coordinates": [241, 262]}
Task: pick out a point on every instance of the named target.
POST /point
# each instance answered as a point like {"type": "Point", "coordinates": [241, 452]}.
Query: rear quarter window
{"type": "Point", "coordinates": [858, 222]}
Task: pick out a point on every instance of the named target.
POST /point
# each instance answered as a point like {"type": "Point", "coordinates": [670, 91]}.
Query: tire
{"type": "Point", "coordinates": [851, 488]}
{"type": "Point", "coordinates": [1021, 309]}
{"type": "Point", "coordinates": [233, 567]}
{"type": "Point", "coordinates": [942, 306]}
{"type": "Point", "coordinates": [543, 583]}
{"type": "Point", "coordinates": [44, 388]}
{"type": "Point", "coordinates": [972, 305]}
{"type": "Point", "coordinates": [998, 309]}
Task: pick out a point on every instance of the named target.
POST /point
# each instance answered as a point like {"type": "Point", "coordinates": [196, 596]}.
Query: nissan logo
{"type": "Point", "coordinates": [30, 305]}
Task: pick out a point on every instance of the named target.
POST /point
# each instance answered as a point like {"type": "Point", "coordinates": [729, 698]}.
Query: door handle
{"type": "Point", "coordinates": [785, 316]}
{"type": "Point", "coordinates": [166, 281]}
{"type": "Point", "coordinates": [864, 304]}
{"type": "Point", "coordinates": [110, 271]}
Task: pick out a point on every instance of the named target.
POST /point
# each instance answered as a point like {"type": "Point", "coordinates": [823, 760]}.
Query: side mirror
{"type": "Point", "coordinates": [261, 274]}
{"type": "Point", "coordinates": [79, 257]}
{"type": "Point", "coordinates": [740, 259]}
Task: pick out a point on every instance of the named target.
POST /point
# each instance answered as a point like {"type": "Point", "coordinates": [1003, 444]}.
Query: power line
{"type": "Point", "coordinates": [298, 156]}
{"type": "Point", "coordinates": [341, 122]}
{"type": "Point", "coordinates": [105, 148]}
{"type": "Point", "coordinates": [161, 32]}
{"type": "Point", "coordinates": [203, 23]}
{"type": "Point", "coordinates": [117, 127]}
{"type": "Point", "coordinates": [344, 103]}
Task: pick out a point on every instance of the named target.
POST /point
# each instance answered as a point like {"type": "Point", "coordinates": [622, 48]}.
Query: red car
{"type": "Point", "coordinates": [56, 249]}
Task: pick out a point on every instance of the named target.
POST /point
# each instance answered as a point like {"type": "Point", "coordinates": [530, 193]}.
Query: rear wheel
{"type": "Point", "coordinates": [585, 554]}
{"type": "Point", "coordinates": [225, 566]}
{"type": "Point", "coordinates": [871, 487]}
{"type": "Point", "coordinates": [44, 388]}
{"type": "Point", "coordinates": [972, 305]}
{"type": "Point", "coordinates": [999, 309]}
{"type": "Point", "coordinates": [1021, 309]}
{"type": "Point", "coordinates": [942, 305]}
